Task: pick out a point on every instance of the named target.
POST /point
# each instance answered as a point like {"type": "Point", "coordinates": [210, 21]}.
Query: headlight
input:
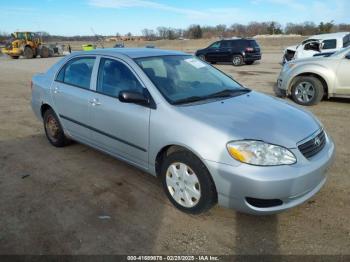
{"type": "Point", "coordinates": [288, 66]}
{"type": "Point", "coordinates": [260, 153]}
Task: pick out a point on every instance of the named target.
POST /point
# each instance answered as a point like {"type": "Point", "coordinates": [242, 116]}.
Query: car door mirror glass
{"type": "Point", "coordinates": [135, 97]}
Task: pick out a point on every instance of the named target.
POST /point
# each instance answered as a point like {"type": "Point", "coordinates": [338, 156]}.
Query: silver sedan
{"type": "Point", "coordinates": [206, 136]}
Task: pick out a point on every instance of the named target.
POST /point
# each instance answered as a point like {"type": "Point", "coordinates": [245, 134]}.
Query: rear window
{"type": "Point", "coordinates": [252, 43]}
{"type": "Point", "coordinates": [346, 41]}
{"type": "Point", "coordinates": [330, 44]}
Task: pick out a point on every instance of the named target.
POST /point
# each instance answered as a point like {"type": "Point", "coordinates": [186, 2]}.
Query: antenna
{"type": "Point", "coordinates": [98, 39]}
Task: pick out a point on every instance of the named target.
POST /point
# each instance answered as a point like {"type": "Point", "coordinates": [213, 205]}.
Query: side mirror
{"type": "Point", "coordinates": [134, 97]}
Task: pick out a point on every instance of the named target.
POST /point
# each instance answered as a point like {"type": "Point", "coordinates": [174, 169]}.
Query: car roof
{"type": "Point", "coordinates": [327, 36]}
{"type": "Point", "coordinates": [237, 39]}
{"type": "Point", "coordinates": [132, 52]}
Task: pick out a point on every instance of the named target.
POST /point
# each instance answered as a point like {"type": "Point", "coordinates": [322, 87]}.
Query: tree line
{"type": "Point", "coordinates": [249, 30]}
{"type": "Point", "coordinates": [221, 30]}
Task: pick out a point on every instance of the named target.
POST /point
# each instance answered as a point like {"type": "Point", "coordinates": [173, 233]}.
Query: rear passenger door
{"type": "Point", "coordinates": [121, 129]}
{"type": "Point", "coordinates": [71, 94]}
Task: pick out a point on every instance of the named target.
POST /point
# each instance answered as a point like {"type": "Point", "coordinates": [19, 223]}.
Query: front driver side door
{"type": "Point", "coordinates": [121, 129]}
{"type": "Point", "coordinates": [342, 86]}
{"type": "Point", "coordinates": [213, 52]}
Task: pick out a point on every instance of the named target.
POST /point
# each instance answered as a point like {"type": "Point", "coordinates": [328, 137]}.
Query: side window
{"type": "Point", "coordinates": [346, 41]}
{"type": "Point", "coordinates": [114, 76]}
{"type": "Point", "coordinates": [215, 45]}
{"type": "Point", "coordinates": [225, 44]}
{"type": "Point", "coordinates": [77, 72]}
{"type": "Point", "coordinates": [330, 44]}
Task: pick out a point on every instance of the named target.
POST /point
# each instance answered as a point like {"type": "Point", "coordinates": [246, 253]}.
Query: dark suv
{"type": "Point", "coordinates": [236, 51]}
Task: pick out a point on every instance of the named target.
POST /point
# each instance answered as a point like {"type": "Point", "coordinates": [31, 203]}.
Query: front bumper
{"type": "Point", "coordinates": [292, 184]}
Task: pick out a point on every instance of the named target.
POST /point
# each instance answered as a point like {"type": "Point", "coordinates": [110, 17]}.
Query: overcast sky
{"type": "Point", "coordinates": [107, 17]}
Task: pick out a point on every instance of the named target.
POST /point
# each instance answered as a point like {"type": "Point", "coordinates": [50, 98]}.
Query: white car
{"type": "Point", "coordinates": [309, 80]}
{"type": "Point", "coordinates": [317, 44]}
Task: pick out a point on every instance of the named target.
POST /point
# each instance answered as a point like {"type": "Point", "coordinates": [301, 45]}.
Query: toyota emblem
{"type": "Point", "coordinates": [317, 141]}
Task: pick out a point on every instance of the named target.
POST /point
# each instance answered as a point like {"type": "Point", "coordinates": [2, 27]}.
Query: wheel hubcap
{"type": "Point", "coordinates": [236, 61]}
{"type": "Point", "coordinates": [305, 92]}
{"type": "Point", "coordinates": [202, 57]}
{"type": "Point", "coordinates": [52, 128]}
{"type": "Point", "coordinates": [183, 184]}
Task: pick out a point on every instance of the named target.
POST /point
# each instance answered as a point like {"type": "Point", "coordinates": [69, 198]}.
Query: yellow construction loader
{"type": "Point", "coordinates": [27, 44]}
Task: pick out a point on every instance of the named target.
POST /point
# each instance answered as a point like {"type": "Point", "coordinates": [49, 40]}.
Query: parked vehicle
{"type": "Point", "coordinates": [325, 43]}
{"type": "Point", "coordinates": [119, 45]}
{"type": "Point", "coordinates": [206, 136]}
{"type": "Point", "coordinates": [309, 80]}
{"type": "Point", "coordinates": [238, 51]}
{"type": "Point", "coordinates": [29, 45]}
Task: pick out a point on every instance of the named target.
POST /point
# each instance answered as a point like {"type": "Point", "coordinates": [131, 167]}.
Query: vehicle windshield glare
{"type": "Point", "coordinates": [185, 79]}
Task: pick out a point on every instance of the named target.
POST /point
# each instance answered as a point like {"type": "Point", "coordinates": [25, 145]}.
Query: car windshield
{"type": "Point", "coordinates": [185, 79]}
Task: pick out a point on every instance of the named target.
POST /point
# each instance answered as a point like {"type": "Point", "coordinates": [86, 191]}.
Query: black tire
{"type": "Point", "coordinates": [44, 52]}
{"type": "Point", "coordinates": [14, 57]}
{"type": "Point", "coordinates": [28, 52]}
{"type": "Point", "coordinates": [213, 63]}
{"type": "Point", "coordinates": [57, 138]}
{"type": "Point", "coordinates": [202, 57]}
{"type": "Point", "coordinates": [307, 83]}
{"type": "Point", "coordinates": [249, 62]}
{"type": "Point", "coordinates": [237, 60]}
{"type": "Point", "coordinates": [208, 194]}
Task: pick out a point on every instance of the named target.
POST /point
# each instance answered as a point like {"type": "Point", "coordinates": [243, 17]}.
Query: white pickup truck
{"type": "Point", "coordinates": [317, 45]}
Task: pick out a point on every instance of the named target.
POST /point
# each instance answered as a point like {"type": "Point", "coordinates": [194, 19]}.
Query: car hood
{"type": "Point", "coordinates": [200, 51]}
{"type": "Point", "coordinates": [256, 116]}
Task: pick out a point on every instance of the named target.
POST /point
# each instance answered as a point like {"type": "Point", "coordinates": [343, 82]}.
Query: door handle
{"type": "Point", "coordinates": [94, 102]}
{"type": "Point", "coordinates": [56, 90]}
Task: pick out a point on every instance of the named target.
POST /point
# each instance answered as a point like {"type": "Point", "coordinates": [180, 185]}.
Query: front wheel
{"type": "Point", "coordinates": [28, 52]}
{"type": "Point", "coordinates": [187, 183]}
{"type": "Point", "coordinates": [307, 90]}
{"type": "Point", "coordinates": [202, 57]}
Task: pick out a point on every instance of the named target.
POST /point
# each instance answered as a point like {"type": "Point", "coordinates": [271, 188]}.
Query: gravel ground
{"type": "Point", "coordinates": [76, 200]}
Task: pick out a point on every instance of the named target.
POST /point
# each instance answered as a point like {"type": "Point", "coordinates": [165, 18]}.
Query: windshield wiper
{"type": "Point", "coordinates": [228, 93]}
{"type": "Point", "coordinates": [222, 93]}
{"type": "Point", "coordinates": [188, 100]}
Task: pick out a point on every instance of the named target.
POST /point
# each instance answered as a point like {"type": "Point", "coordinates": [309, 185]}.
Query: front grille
{"type": "Point", "coordinates": [313, 146]}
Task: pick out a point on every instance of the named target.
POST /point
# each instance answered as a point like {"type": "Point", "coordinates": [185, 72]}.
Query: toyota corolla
{"type": "Point", "coordinates": [208, 138]}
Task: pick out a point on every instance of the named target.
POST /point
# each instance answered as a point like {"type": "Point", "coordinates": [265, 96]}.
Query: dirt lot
{"type": "Point", "coordinates": [51, 199]}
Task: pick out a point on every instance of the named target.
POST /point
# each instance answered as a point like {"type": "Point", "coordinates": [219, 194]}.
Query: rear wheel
{"type": "Point", "coordinates": [28, 52]}
{"type": "Point", "coordinates": [53, 129]}
{"type": "Point", "coordinates": [44, 52]}
{"type": "Point", "coordinates": [237, 60]}
{"type": "Point", "coordinates": [307, 90]}
{"type": "Point", "coordinates": [187, 183]}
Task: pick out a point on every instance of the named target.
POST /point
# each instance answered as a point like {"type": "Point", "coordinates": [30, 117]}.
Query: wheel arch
{"type": "Point", "coordinates": [316, 75]}
{"type": "Point", "coordinates": [168, 149]}
{"type": "Point", "coordinates": [44, 107]}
